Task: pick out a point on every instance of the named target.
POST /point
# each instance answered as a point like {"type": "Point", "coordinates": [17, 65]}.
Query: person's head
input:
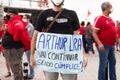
{"type": "Point", "coordinates": [57, 3]}
{"type": "Point", "coordinates": [82, 23]}
{"type": "Point", "coordinates": [11, 13]}
{"type": "Point", "coordinates": [26, 18]}
{"type": "Point", "coordinates": [88, 24]}
{"type": "Point", "coordinates": [106, 7]}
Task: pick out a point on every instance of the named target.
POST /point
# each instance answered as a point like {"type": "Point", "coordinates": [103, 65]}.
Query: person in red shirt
{"type": "Point", "coordinates": [82, 32]}
{"type": "Point", "coordinates": [12, 43]}
{"type": "Point", "coordinates": [104, 33]}
{"type": "Point", "coordinates": [82, 28]}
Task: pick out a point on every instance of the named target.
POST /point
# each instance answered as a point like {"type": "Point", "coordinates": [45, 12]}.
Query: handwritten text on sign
{"type": "Point", "coordinates": [59, 53]}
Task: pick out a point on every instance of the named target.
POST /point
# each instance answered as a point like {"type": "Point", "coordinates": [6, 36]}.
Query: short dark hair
{"type": "Point", "coordinates": [83, 23]}
{"type": "Point", "coordinates": [88, 23]}
{"type": "Point", "coordinates": [28, 16]}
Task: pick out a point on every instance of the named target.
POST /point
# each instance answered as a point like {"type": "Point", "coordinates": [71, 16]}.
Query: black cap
{"type": "Point", "coordinates": [12, 11]}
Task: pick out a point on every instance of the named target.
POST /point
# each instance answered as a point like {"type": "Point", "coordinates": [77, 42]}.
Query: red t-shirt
{"type": "Point", "coordinates": [82, 30]}
{"type": "Point", "coordinates": [107, 31]}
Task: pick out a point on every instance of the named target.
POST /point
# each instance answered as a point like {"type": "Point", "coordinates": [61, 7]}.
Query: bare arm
{"type": "Point", "coordinates": [33, 45]}
{"type": "Point", "coordinates": [33, 42]}
{"type": "Point", "coordinates": [100, 45]}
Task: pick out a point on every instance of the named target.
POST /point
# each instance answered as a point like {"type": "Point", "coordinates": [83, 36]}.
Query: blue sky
{"type": "Point", "coordinates": [80, 6]}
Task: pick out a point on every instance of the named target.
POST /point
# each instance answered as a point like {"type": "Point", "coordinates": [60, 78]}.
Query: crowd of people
{"type": "Point", "coordinates": [19, 36]}
{"type": "Point", "coordinates": [88, 40]}
{"type": "Point", "coordinates": [14, 42]}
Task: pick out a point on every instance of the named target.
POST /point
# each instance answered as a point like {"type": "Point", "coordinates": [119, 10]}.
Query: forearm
{"type": "Point", "coordinates": [95, 36]}
{"type": "Point", "coordinates": [33, 42]}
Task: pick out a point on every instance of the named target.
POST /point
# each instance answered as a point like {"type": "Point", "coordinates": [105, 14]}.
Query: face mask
{"type": "Point", "coordinates": [57, 2]}
{"type": "Point", "coordinates": [8, 17]}
{"type": "Point", "coordinates": [25, 20]}
{"type": "Point", "coordinates": [111, 10]}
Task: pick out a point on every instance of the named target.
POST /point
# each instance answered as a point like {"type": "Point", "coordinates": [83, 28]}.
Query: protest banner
{"type": "Point", "coordinates": [59, 53]}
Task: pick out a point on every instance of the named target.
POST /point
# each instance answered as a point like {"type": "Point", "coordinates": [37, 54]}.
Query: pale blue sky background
{"type": "Point", "coordinates": [80, 6]}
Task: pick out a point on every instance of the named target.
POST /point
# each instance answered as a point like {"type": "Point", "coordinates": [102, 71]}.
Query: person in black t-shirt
{"type": "Point", "coordinates": [66, 23]}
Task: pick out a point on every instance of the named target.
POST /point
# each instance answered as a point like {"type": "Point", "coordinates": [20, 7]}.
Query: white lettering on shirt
{"type": "Point", "coordinates": [60, 20]}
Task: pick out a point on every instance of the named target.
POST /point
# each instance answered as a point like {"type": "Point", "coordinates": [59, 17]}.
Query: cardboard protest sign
{"type": "Point", "coordinates": [59, 53]}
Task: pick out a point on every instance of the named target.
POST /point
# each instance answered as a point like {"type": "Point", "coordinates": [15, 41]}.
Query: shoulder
{"type": "Point", "coordinates": [69, 11]}
{"type": "Point", "coordinates": [100, 17]}
{"type": "Point", "coordinates": [45, 11]}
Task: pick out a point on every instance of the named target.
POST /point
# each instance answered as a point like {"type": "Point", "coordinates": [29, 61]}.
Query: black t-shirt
{"type": "Point", "coordinates": [66, 23]}
{"type": "Point", "coordinates": [8, 42]}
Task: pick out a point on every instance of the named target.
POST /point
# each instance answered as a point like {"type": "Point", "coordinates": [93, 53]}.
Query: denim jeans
{"type": "Point", "coordinates": [89, 45]}
{"type": "Point", "coordinates": [31, 75]}
{"type": "Point", "coordinates": [107, 56]}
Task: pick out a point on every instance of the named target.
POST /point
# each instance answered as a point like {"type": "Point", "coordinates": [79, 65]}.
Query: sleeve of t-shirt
{"type": "Point", "coordinates": [97, 23]}
{"type": "Point", "coordinates": [40, 22]}
{"type": "Point", "coordinates": [76, 24]}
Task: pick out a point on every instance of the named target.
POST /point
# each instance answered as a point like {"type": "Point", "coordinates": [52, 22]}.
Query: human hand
{"type": "Point", "coordinates": [101, 47]}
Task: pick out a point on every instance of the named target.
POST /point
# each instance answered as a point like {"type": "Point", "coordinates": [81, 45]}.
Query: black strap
{"type": "Point", "coordinates": [49, 26]}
